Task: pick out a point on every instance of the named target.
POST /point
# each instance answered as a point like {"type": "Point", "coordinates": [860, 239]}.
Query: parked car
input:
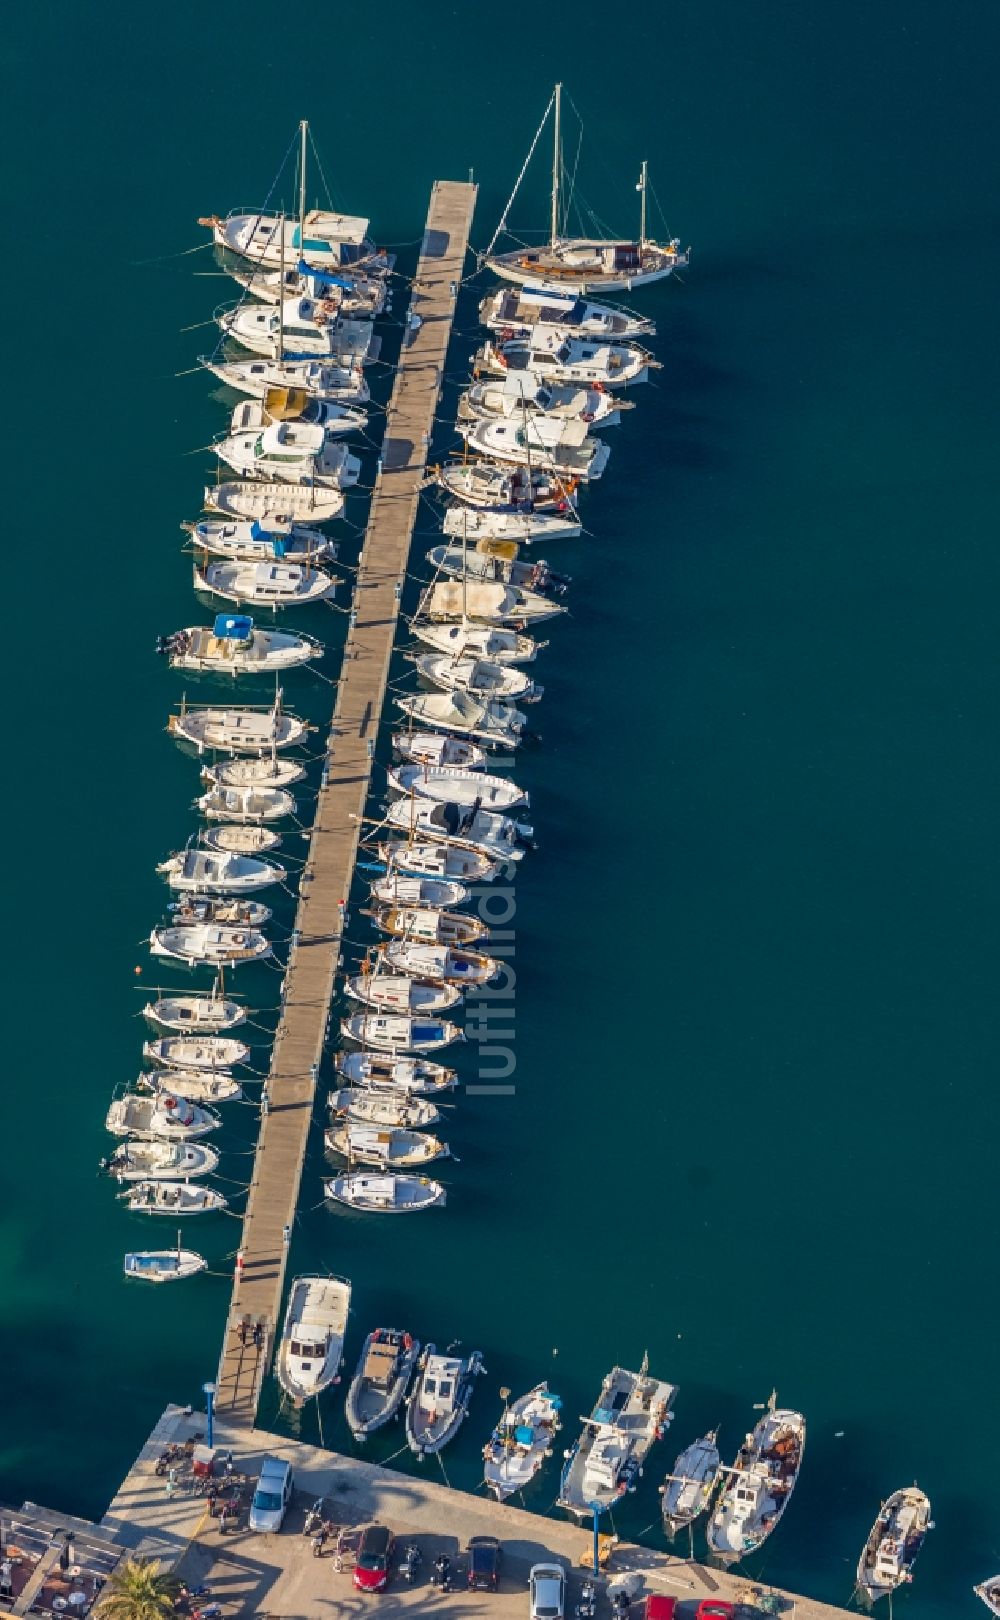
{"type": "Point", "coordinates": [485, 1556]}
{"type": "Point", "coordinates": [547, 1586]}
{"type": "Point", "coordinates": [660, 1607]}
{"type": "Point", "coordinates": [272, 1496]}
{"type": "Point", "coordinates": [715, 1609]}
{"type": "Point", "coordinates": [371, 1569]}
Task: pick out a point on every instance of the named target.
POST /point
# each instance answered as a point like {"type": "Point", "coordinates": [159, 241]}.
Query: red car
{"type": "Point", "coordinates": [371, 1572]}
{"type": "Point", "coordinates": [660, 1608]}
{"type": "Point", "coordinates": [714, 1609]}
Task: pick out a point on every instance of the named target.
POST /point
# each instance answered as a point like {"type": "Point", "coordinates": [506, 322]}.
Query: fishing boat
{"type": "Point", "coordinates": [191, 1052]}
{"type": "Point", "coordinates": [201, 1015]}
{"type": "Point", "coordinates": [265, 584]}
{"type": "Point", "coordinates": [557, 356]}
{"type": "Point", "coordinates": [429, 748]}
{"type": "Point", "coordinates": [402, 994]}
{"type": "Point", "coordinates": [520, 398]}
{"type": "Point", "coordinates": [631, 1412]}
{"type": "Point", "coordinates": [173, 1198]}
{"type": "Point", "coordinates": [581, 264]}
{"type": "Point", "coordinates": [421, 858]}
{"type": "Point", "coordinates": [496, 837]}
{"type": "Point", "coordinates": [158, 1160]}
{"type": "Point", "coordinates": [232, 910]}
{"type": "Point", "coordinates": [244, 773]}
{"type": "Point", "coordinates": [194, 1085]}
{"type": "Point", "coordinates": [246, 541]}
{"type": "Point", "coordinates": [428, 924]}
{"type": "Point", "coordinates": [453, 784]}
{"type": "Point", "coordinates": [296, 405]}
{"type": "Point", "coordinates": [437, 962]}
{"type": "Point", "coordinates": [234, 646]}
{"type": "Point", "coordinates": [759, 1485]}
{"type": "Point", "coordinates": [506, 489]}
{"type": "Point", "coordinates": [487, 602]}
{"type": "Point", "coordinates": [497, 561]}
{"type": "Point", "coordinates": [395, 890]}
{"type": "Point", "coordinates": [390, 1148]}
{"type": "Point", "coordinates": [479, 677]}
{"type": "Point", "coordinates": [290, 453]}
{"type": "Point", "coordinates": [515, 312]}
{"type": "Point", "coordinates": [465, 640]}
{"type": "Point", "coordinates": [273, 505]}
{"type": "Point", "coordinates": [340, 379]}
{"type": "Point", "coordinates": [379, 1385]}
{"type": "Point", "coordinates": [497, 725]}
{"type": "Point", "coordinates": [893, 1543]}
{"type": "Point", "coordinates": [238, 731]}
{"type": "Point", "coordinates": [202, 871]}
{"type": "Point", "coordinates": [165, 1114]}
{"type": "Point", "coordinates": [385, 1195]}
{"type": "Point", "coordinates": [563, 447]}
{"type": "Point", "coordinates": [989, 1593]}
{"type": "Point", "coordinates": [234, 839]}
{"type": "Point", "coordinates": [210, 942]}
{"type": "Point", "coordinates": [440, 1399]}
{"type": "Point", "coordinates": [524, 528]}
{"type": "Point", "coordinates": [163, 1265]}
{"type": "Point", "coordinates": [311, 1350]}
{"type": "Point", "coordinates": [688, 1489]}
{"type": "Point", "coordinates": [254, 804]}
{"type": "Point", "coordinates": [521, 1442]}
{"type": "Point", "coordinates": [388, 1072]}
{"type": "Point", "coordinates": [397, 1033]}
{"type": "Point", "coordinates": [387, 1110]}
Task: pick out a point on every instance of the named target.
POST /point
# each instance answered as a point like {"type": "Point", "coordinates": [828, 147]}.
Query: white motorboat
{"type": "Point", "coordinates": [265, 584]}
{"type": "Point", "coordinates": [244, 773]}
{"type": "Point", "coordinates": [428, 924]}
{"type": "Point", "coordinates": [163, 1265]}
{"type": "Point", "coordinates": [339, 379]}
{"type": "Point", "coordinates": [421, 858]}
{"type": "Point", "coordinates": [554, 354]}
{"type": "Point", "coordinates": [893, 1543]}
{"type": "Point", "coordinates": [290, 453]}
{"type": "Point", "coordinates": [300, 329]}
{"type": "Point", "coordinates": [497, 561]}
{"type": "Point", "coordinates": [201, 1015]}
{"type": "Point", "coordinates": [440, 1399]}
{"type": "Point", "coordinates": [246, 541]}
{"type": "Point", "coordinates": [233, 910]}
{"type": "Point", "coordinates": [386, 1109]}
{"type": "Point", "coordinates": [194, 1085]}
{"type": "Point", "coordinates": [238, 731]}
{"type": "Point", "coordinates": [232, 838]}
{"type": "Point", "coordinates": [472, 524]}
{"type": "Point", "coordinates": [516, 312]}
{"type": "Point", "coordinates": [497, 725]}
{"type": "Point", "coordinates": [429, 748]}
{"type": "Point", "coordinates": [296, 405]}
{"type": "Point", "coordinates": [481, 678]}
{"type": "Point", "coordinates": [437, 962]}
{"type": "Point", "coordinates": [202, 871]}
{"type": "Point", "coordinates": [452, 784]}
{"type": "Point", "coordinates": [377, 1389]}
{"type": "Point", "coordinates": [465, 640]}
{"type": "Point", "coordinates": [486, 602]}
{"type": "Point", "coordinates": [521, 1442]}
{"type": "Point", "coordinates": [401, 994]}
{"type": "Point", "coordinates": [631, 1412]}
{"type": "Point", "coordinates": [136, 1159]}
{"type": "Point", "coordinates": [233, 646]}
{"type": "Point", "coordinates": [759, 1485]}
{"type": "Point", "coordinates": [196, 1052]}
{"type": "Point", "coordinates": [688, 1488]}
{"type": "Point", "coordinates": [989, 1593]}
{"type": "Point", "coordinates": [389, 1148]}
{"type": "Point", "coordinates": [399, 1034]}
{"type": "Point", "coordinates": [173, 1198]}
{"type": "Point", "coordinates": [273, 505]}
{"type": "Point", "coordinates": [242, 804]}
{"type": "Point", "coordinates": [486, 485]}
{"type": "Point", "coordinates": [210, 942]}
{"type": "Point", "coordinates": [521, 398]}
{"type": "Point", "coordinates": [438, 893]}
{"type": "Point", "coordinates": [387, 1072]}
{"type": "Point", "coordinates": [496, 837]}
{"type": "Point", "coordinates": [564, 447]}
{"type": "Point", "coordinates": [164, 1114]}
{"type": "Point", "coordinates": [385, 1194]}
{"type": "Point", "coordinates": [311, 1350]}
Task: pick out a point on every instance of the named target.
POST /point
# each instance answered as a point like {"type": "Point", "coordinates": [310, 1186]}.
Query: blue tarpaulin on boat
{"type": "Point", "coordinates": [325, 276]}
{"type": "Point", "coordinates": [524, 1434]}
{"type": "Point", "coordinates": [233, 626]}
{"type": "Point", "coordinates": [258, 531]}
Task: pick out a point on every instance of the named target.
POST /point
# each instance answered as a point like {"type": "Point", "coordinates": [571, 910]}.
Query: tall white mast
{"type": "Point", "coordinates": [281, 291]}
{"type": "Point", "coordinates": [556, 160]}
{"type": "Point", "coordinates": [642, 205]}
{"type": "Point", "coordinates": [304, 133]}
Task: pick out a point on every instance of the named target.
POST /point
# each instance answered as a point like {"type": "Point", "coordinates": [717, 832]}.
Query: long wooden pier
{"type": "Point", "coordinates": [326, 881]}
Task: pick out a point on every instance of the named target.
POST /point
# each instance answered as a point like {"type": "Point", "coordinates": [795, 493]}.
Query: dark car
{"type": "Point", "coordinates": [485, 1556]}
{"type": "Point", "coordinates": [371, 1570]}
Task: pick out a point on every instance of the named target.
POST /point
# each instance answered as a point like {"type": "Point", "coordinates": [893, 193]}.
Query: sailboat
{"type": "Point", "coordinates": [582, 264]}
{"type": "Point", "coordinates": [341, 378]}
{"type": "Point", "coordinates": [197, 1015]}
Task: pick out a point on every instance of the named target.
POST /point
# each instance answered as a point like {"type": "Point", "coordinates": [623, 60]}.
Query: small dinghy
{"type": "Point", "coordinates": [479, 677]}
{"type": "Point", "coordinates": [339, 380]}
{"type": "Point", "coordinates": [202, 871]}
{"type": "Point", "coordinates": [210, 942]}
{"type": "Point", "coordinates": [188, 1052]}
{"type": "Point", "coordinates": [497, 725]}
{"type": "Point", "coordinates": [202, 1015]}
{"type": "Point", "coordinates": [464, 640]}
{"type": "Point", "coordinates": [402, 994]}
{"type": "Point", "coordinates": [486, 485]}
{"type": "Point", "coordinates": [428, 925]}
{"type": "Point", "coordinates": [243, 773]}
{"type": "Point", "coordinates": [631, 1412]}
{"type": "Point", "coordinates": [497, 837]}
{"type": "Point", "coordinates": [249, 543]}
{"type": "Point", "coordinates": [173, 1198]}
{"type": "Point", "coordinates": [521, 1442]}
{"type": "Point", "coordinates": [385, 1195]}
{"type": "Point", "coordinates": [688, 1489]}
{"type": "Point", "coordinates": [524, 528]}
{"type": "Point", "coordinates": [387, 1110]}
{"type": "Point", "coordinates": [232, 646]}
{"type": "Point", "coordinates": [440, 1399]}
{"type": "Point", "coordinates": [428, 748]}
{"type": "Point", "coordinates": [556, 355]}
{"type": "Point", "coordinates": [442, 963]}
{"type": "Point", "coordinates": [422, 859]}
{"type": "Point", "coordinates": [989, 1593]}
{"type": "Point", "coordinates": [157, 1160]}
{"type": "Point", "coordinates": [390, 1148]}
{"type": "Point", "coordinates": [274, 505]}
{"type": "Point", "coordinates": [486, 602]}
{"type": "Point", "coordinates": [165, 1115]}
{"type": "Point", "coordinates": [395, 1033]}
{"type": "Point", "coordinates": [408, 1075]}
{"type": "Point", "coordinates": [234, 839]}
{"type": "Point", "coordinates": [312, 1342]}
{"type": "Point", "coordinates": [566, 449]}
{"type": "Point", "coordinates": [291, 453]}
{"type": "Point", "coordinates": [194, 1085]}
{"type": "Point", "coordinates": [516, 312]}
{"type": "Point", "coordinates": [759, 1485]}
{"type": "Point", "coordinates": [238, 731]}
{"type": "Point", "coordinates": [254, 804]}
{"type": "Point", "coordinates": [164, 1265]}
{"type": "Point", "coordinates": [451, 784]}
{"type": "Point", "coordinates": [230, 909]}
{"type": "Point", "coordinates": [395, 890]}
{"type": "Point", "coordinates": [893, 1543]}
{"type": "Point", "coordinates": [265, 584]}
{"type": "Point", "coordinates": [383, 1376]}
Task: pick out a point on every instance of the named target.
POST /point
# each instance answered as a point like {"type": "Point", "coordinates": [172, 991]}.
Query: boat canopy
{"type": "Point", "coordinates": [284, 404]}
{"type": "Point", "coordinates": [232, 627]}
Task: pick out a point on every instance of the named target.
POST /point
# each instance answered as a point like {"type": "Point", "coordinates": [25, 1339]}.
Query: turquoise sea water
{"type": "Point", "coordinates": [754, 1109]}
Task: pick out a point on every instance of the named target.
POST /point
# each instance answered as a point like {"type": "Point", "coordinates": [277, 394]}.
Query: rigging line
{"type": "Point", "coordinates": [517, 185]}
{"type": "Point", "coordinates": [319, 164]}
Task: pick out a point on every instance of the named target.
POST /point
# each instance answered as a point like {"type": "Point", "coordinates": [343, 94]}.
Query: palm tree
{"type": "Point", "coordinates": [139, 1590]}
